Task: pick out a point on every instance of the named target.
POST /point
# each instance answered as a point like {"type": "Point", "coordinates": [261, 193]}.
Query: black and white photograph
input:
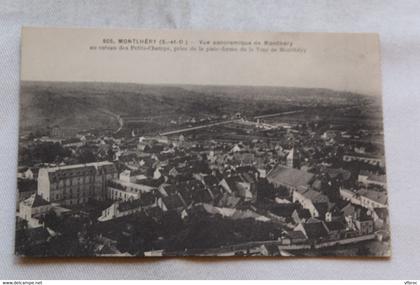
{"type": "Point", "coordinates": [270, 145]}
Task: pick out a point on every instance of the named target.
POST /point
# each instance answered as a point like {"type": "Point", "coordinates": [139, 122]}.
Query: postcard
{"type": "Point", "coordinates": [200, 143]}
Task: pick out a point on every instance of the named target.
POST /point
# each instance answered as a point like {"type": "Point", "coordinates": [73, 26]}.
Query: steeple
{"type": "Point", "coordinates": [292, 159]}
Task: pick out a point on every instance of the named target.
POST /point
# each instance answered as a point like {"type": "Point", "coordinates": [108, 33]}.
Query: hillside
{"type": "Point", "coordinates": [97, 105]}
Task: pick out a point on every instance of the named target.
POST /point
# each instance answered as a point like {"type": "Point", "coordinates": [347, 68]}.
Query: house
{"type": "Point", "coordinates": [193, 191]}
{"type": "Point", "coordinates": [359, 218]}
{"type": "Point", "coordinates": [172, 203]}
{"type": "Point", "coordinates": [283, 211]}
{"type": "Point", "coordinates": [334, 213]}
{"type": "Point", "coordinates": [338, 173]}
{"type": "Point", "coordinates": [108, 247]}
{"type": "Point", "coordinates": [33, 208]}
{"type": "Point", "coordinates": [237, 186]}
{"type": "Point", "coordinates": [293, 237]}
{"type": "Point", "coordinates": [363, 176]}
{"type": "Point", "coordinates": [168, 189]}
{"type": "Point", "coordinates": [26, 188]}
{"type": "Point", "coordinates": [349, 195]}
{"type": "Point", "coordinates": [26, 173]}
{"type": "Point", "coordinates": [371, 199]}
{"type": "Point", "coordinates": [244, 158]}
{"type": "Point", "coordinates": [365, 158]}
{"type": "Point", "coordinates": [236, 148]}
{"type": "Point", "coordinates": [310, 200]}
{"type": "Point", "coordinates": [229, 201]}
{"type": "Point", "coordinates": [269, 250]}
{"type": "Point", "coordinates": [335, 228]}
{"type": "Point", "coordinates": [122, 190]}
{"type": "Point", "coordinates": [128, 207]}
{"type": "Point", "coordinates": [380, 217]}
{"type": "Point", "coordinates": [120, 209]}
{"type": "Point", "coordinates": [301, 215]}
{"type": "Point", "coordinates": [133, 175]}
{"type": "Point", "coordinates": [364, 224]}
{"type": "Point", "coordinates": [313, 229]}
{"type": "Point", "coordinates": [379, 180]}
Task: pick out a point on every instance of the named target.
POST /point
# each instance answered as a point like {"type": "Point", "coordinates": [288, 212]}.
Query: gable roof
{"type": "Point", "coordinates": [229, 201]}
{"type": "Point", "coordinates": [335, 172]}
{"type": "Point", "coordinates": [314, 196]}
{"type": "Point", "coordinates": [302, 213]}
{"type": "Point", "coordinates": [173, 202]}
{"type": "Point", "coordinates": [377, 196]}
{"type": "Point", "coordinates": [35, 200]}
{"type": "Point", "coordinates": [283, 210]}
{"type": "Point", "coordinates": [335, 226]}
{"type": "Point", "coordinates": [291, 177]}
{"type": "Point", "coordinates": [129, 205]}
{"type": "Point", "coordinates": [377, 178]}
{"type": "Point", "coordinates": [296, 235]}
{"type": "Point", "coordinates": [348, 210]}
{"type": "Point", "coordinates": [315, 228]}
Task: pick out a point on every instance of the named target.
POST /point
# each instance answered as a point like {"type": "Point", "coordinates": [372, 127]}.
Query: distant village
{"type": "Point", "coordinates": [232, 187]}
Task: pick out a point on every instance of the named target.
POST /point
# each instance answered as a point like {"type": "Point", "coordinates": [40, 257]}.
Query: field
{"type": "Point", "coordinates": [86, 106]}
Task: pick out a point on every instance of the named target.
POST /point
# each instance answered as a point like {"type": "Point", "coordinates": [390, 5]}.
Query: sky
{"type": "Point", "coordinates": [338, 61]}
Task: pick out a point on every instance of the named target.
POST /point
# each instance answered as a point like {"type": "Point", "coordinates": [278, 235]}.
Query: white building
{"type": "Point", "coordinates": [124, 191]}
{"type": "Point", "coordinates": [308, 198]}
{"type": "Point", "coordinates": [75, 184]}
{"type": "Point", "coordinates": [367, 198]}
{"type": "Point", "coordinates": [32, 209]}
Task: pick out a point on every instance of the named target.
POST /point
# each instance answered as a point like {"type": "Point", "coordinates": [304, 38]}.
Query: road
{"type": "Point", "coordinates": [225, 122]}
{"type": "Point", "coordinates": [196, 128]}
{"type": "Point", "coordinates": [278, 114]}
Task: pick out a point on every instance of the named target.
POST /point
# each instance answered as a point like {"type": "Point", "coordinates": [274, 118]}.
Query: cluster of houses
{"type": "Point", "coordinates": [291, 184]}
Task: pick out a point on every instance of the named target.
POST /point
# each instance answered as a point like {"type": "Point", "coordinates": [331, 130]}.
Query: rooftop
{"type": "Point", "coordinates": [377, 196]}
{"type": "Point", "coordinates": [290, 176]}
{"type": "Point", "coordinates": [35, 201]}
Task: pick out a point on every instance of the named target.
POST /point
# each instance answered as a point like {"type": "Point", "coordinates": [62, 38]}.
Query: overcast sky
{"type": "Point", "coordinates": [349, 62]}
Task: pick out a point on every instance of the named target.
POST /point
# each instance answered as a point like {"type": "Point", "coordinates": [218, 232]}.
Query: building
{"type": "Point", "coordinates": [364, 225]}
{"type": "Point", "coordinates": [372, 179]}
{"type": "Point", "coordinates": [172, 203]}
{"type": "Point", "coordinates": [59, 132]}
{"type": "Point", "coordinates": [32, 209]}
{"type": "Point", "coordinates": [72, 142]}
{"type": "Point", "coordinates": [120, 190]}
{"type": "Point", "coordinates": [367, 198]}
{"type": "Point", "coordinates": [313, 229]}
{"type": "Point", "coordinates": [76, 184]}
{"type": "Point", "coordinates": [120, 209]}
{"type": "Point", "coordinates": [26, 188]}
{"type": "Point", "coordinates": [25, 173]}
{"type": "Point", "coordinates": [366, 158]}
{"type": "Point", "coordinates": [310, 199]}
{"type": "Point", "coordinates": [371, 199]}
{"type": "Point", "coordinates": [292, 160]}
{"type": "Point", "coordinates": [237, 186]}
{"type": "Point", "coordinates": [290, 178]}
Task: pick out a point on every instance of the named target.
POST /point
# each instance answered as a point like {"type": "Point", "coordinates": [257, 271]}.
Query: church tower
{"type": "Point", "coordinates": [292, 160]}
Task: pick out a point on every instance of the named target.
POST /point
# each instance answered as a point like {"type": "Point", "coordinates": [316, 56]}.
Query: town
{"type": "Point", "coordinates": [299, 182]}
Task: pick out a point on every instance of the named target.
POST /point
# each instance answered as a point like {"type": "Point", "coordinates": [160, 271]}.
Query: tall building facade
{"type": "Point", "coordinates": [76, 184]}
